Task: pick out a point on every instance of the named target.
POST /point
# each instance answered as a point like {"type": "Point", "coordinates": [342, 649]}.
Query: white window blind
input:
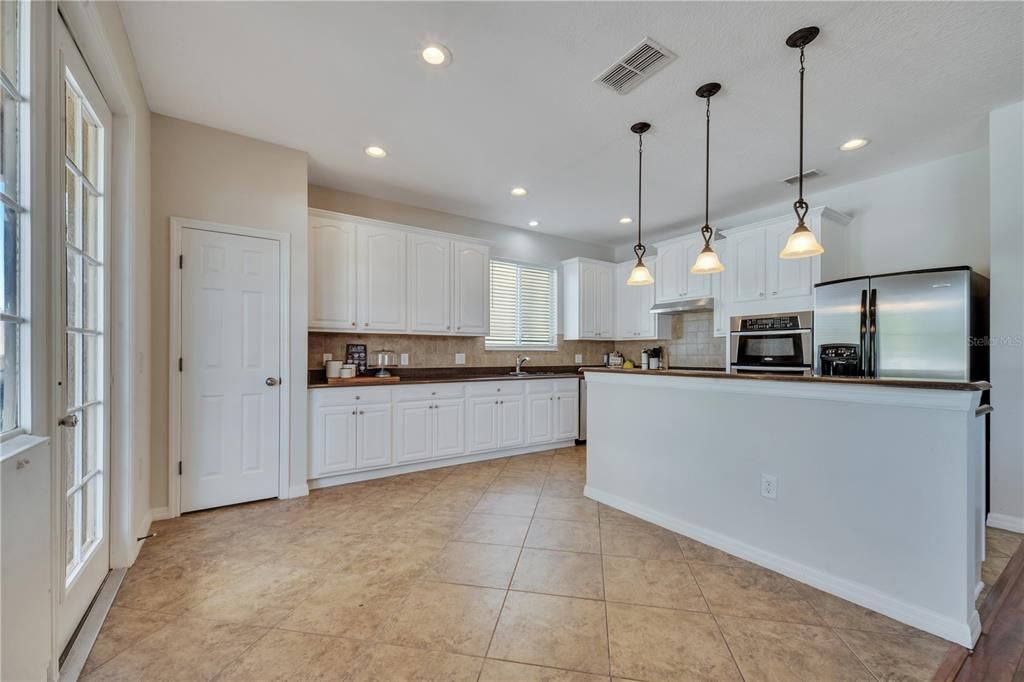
{"type": "Point", "coordinates": [522, 306]}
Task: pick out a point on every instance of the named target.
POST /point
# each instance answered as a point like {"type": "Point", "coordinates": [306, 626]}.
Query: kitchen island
{"type": "Point", "coordinates": [870, 490]}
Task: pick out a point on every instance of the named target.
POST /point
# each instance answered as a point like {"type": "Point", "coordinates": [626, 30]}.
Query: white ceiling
{"type": "Point", "coordinates": [517, 105]}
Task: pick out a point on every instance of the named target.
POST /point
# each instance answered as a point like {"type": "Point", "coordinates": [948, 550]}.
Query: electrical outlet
{"type": "Point", "coordinates": [460, 358]}
{"type": "Point", "coordinates": [769, 486]}
{"type": "Point", "coordinates": [579, 358]}
{"type": "Point", "coordinates": [327, 357]}
{"type": "Point", "coordinates": [404, 359]}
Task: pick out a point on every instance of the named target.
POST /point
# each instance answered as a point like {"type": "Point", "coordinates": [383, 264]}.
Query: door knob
{"type": "Point", "coordinates": [70, 420]}
{"type": "Point", "coordinates": [272, 381]}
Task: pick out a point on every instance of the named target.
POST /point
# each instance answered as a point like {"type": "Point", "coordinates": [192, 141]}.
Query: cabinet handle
{"type": "Point", "coordinates": [366, 324]}
{"type": "Point", "coordinates": [361, 413]}
{"type": "Point", "coordinates": [457, 328]}
{"type": "Point", "coordinates": [353, 324]}
{"type": "Point", "coordinates": [775, 293]}
{"type": "Point", "coordinates": [495, 402]}
{"type": "Point", "coordinates": [22, 463]}
{"type": "Point", "coordinates": [551, 398]}
{"type": "Point", "coordinates": [448, 326]}
{"type": "Point", "coordinates": [559, 397]}
{"type": "Point", "coordinates": [354, 412]}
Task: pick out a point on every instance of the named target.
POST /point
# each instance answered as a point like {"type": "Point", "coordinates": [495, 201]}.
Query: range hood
{"type": "Point", "coordinates": [687, 306]}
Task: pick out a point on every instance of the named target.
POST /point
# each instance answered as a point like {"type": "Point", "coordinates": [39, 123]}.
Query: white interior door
{"type": "Point", "coordinates": [230, 368]}
{"type": "Point", "coordinates": [82, 368]}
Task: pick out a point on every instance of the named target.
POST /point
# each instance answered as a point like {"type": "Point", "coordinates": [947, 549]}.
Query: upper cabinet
{"type": "Point", "coordinates": [675, 282]}
{"type": "Point", "coordinates": [633, 319]}
{"type": "Point", "coordinates": [589, 299]}
{"type": "Point", "coordinates": [368, 276]}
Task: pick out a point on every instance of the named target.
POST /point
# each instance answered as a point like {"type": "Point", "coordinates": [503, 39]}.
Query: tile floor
{"type": "Point", "coordinates": [490, 571]}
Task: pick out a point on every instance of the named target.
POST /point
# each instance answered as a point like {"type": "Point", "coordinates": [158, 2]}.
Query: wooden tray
{"type": "Point", "coordinates": [355, 381]}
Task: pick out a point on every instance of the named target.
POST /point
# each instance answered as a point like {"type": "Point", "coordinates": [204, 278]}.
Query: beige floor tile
{"type": "Point", "coordinates": [122, 629]}
{"type": "Point", "coordinates": [185, 649]}
{"type": "Point", "coordinates": [652, 582]}
{"type": "Point", "coordinates": [554, 487]}
{"type": "Point", "coordinates": [752, 592]}
{"type": "Point", "coordinates": [992, 567]}
{"type": "Point", "coordinates": [457, 501]}
{"type": "Point", "coordinates": [505, 671]}
{"type": "Point", "coordinates": [567, 509]}
{"type": "Point", "coordinates": [613, 515]}
{"type": "Point", "coordinates": [698, 551]}
{"type": "Point", "coordinates": [640, 542]}
{"type": "Point", "coordinates": [839, 613]}
{"type": "Point", "coordinates": [559, 632]}
{"type": "Point", "coordinates": [508, 505]}
{"type": "Point", "coordinates": [1002, 541]}
{"type": "Point", "coordinates": [570, 574]}
{"type": "Point", "coordinates": [897, 657]}
{"type": "Point", "coordinates": [396, 559]}
{"type": "Point", "coordinates": [662, 644]}
{"type": "Point", "coordinates": [261, 597]}
{"type": "Point", "coordinates": [443, 617]}
{"type": "Point", "coordinates": [379, 662]}
{"type": "Point", "coordinates": [282, 655]}
{"type": "Point", "coordinates": [419, 524]}
{"type": "Point", "coordinates": [517, 485]}
{"type": "Point", "coordinates": [493, 529]}
{"type": "Point", "coordinates": [348, 605]}
{"type": "Point", "coordinates": [176, 584]}
{"type": "Point", "coordinates": [768, 650]}
{"type": "Point", "coordinates": [470, 563]}
{"type": "Point", "coordinates": [570, 536]}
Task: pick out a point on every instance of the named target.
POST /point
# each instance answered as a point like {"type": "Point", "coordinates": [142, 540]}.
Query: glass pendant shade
{"type": "Point", "coordinates": [801, 244]}
{"type": "Point", "coordinates": [640, 276]}
{"type": "Point", "coordinates": [707, 262]}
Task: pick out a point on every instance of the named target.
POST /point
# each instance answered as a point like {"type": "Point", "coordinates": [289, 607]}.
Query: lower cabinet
{"type": "Point", "coordinates": [354, 429]}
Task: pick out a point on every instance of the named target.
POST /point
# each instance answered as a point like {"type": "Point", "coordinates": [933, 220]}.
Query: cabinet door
{"type": "Point", "coordinates": [449, 427]}
{"type": "Point", "coordinates": [696, 285]}
{"type": "Point", "coordinates": [413, 433]}
{"type": "Point", "coordinates": [381, 278]}
{"type": "Point", "coordinates": [644, 323]}
{"type": "Point", "coordinates": [334, 439]}
{"type": "Point", "coordinates": [589, 318]}
{"type": "Point", "coordinates": [482, 424]}
{"type": "Point", "coordinates": [539, 418]}
{"type": "Point", "coordinates": [373, 436]}
{"type": "Point", "coordinates": [786, 277]}
{"type": "Point", "coordinates": [511, 422]}
{"type": "Point", "coordinates": [332, 274]}
{"type": "Point", "coordinates": [748, 266]}
{"type": "Point", "coordinates": [605, 303]}
{"type": "Point", "coordinates": [566, 415]}
{"type": "Point", "coordinates": [472, 286]}
{"type": "Point", "coordinates": [667, 283]}
{"type": "Point", "coordinates": [429, 291]}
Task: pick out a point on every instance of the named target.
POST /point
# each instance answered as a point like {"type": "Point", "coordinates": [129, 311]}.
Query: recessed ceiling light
{"type": "Point", "coordinates": [436, 55]}
{"type": "Point", "coordinates": [376, 152]}
{"type": "Point", "coordinates": [853, 145]}
{"type": "Point", "coordinates": [533, 223]}
{"type": "Point", "coordinates": [519, 191]}
{"type": "Point", "coordinates": [625, 220]}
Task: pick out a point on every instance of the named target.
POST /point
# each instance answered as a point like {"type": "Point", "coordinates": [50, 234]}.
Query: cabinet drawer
{"type": "Point", "coordinates": [539, 386]}
{"type": "Point", "coordinates": [324, 397]}
{"type": "Point", "coordinates": [486, 388]}
{"type": "Point", "coordinates": [567, 385]}
{"type": "Point", "coordinates": [430, 391]}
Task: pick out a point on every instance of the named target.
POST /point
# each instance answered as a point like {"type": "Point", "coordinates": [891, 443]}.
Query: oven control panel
{"type": "Point", "coordinates": [770, 324]}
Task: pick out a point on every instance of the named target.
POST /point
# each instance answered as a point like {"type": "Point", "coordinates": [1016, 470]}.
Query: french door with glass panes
{"type": "Point", "coordinates": [82, 368]}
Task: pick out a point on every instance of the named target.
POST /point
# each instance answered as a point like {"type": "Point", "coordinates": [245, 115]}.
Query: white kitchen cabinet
{"type": "Point", "coordinates": [428, 429]}
{"type": "Point", "coordinates": [674, 281]}
{"type": "Point", "coordinates": [633, 319]}
{"type": "Point", "coordinates": [449, 427]}
{"type": "Point", "coordinates": [428, 296]}
{"type": "Point", "coordinates": [334, 438]}
{"type": "Point", "coordinates": [471, 301]}
{"type": "Point", "coordinates": [566, 414]}
{"type": "Point", "coordinates": [482, 426]}
{"type": "Point", "coordinates": [695, 285]}
{"type": "Point", "coordinates": [350, 429]}
{"type": "Point", "coordinates": [373, 436]}
{"type": "Point", "coordinates": [589, 298]}
{"type": "Point", "coordinates": [747, 274]}
{"type": "Point", "coordinates": [552, 410]}
{"type": "Point", "coordinates": [540, 423]}
{"type": "Point", "coordinates": [785, 278]}
{"type": "Point", "coordinates": [511, 411]}
{"type": "Point", "coordinates": [332, 274]}
{"type": "Point", "coordinates": [721, 312]}
{"type": "Point", "coordinates": [381, 278]}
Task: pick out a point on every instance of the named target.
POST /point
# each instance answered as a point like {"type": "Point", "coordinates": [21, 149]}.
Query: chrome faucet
{"type": "Point", "coordinates": [520, 359]}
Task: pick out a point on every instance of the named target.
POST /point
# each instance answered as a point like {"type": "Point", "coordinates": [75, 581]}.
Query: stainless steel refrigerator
{"type": "Point", "coordinates": [922, 325]}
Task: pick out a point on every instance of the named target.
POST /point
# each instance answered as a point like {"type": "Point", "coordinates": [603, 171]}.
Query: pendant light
{"type": "Point", "coordinates": [707, 260]}
{"type": "Point", "coordinates": [802, 243]}
{"type": "Point", "coordinates": [640, 276]}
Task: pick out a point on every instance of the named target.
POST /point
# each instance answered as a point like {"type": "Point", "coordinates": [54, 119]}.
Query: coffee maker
{"type": "Point", "coordinates": [840, 360]}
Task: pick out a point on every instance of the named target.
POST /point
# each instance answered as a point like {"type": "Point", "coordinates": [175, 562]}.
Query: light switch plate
{"type": "Point", "coordinates": [327, 357]}
{"type": "Point", "coordinates": [579, 358]}
{"type": "Point", "coordinates": [460, 358]}
{"type": "Point", "coordinates": [404, 359]}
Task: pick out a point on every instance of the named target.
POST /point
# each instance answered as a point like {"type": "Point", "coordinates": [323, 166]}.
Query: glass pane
{"type": "Point", "coordinates": [90, 367]}
{"type": "Point", "coordinates": [71, 124]}
{"type": "Point", "coordinates": [70, 526]}
{"type": "Point", "coordinates": [9, 379]}
{"type": "Point", "coordinates": [69, 457]}
{"type": "Point", "coordinates": [9, 145]}
{"type": "Point", "coordinates": [92, 286]}
{"type": "Point", "coordinates": [90, 150]}
{"type": "Point", "coordinates": [72, 203]}
{"type": "Point", "coordinates": [90, 513]}
{"type": "Point", "coordinates": [91, 427]}
{"type": "Point", "coordinates": [9, 244]}
{"type": "Point", "coordinates": [74, 289]}
{"type": "Point", "coordinates": [9, 15]}
{"type": "Point", "coordinates": [74, 381]}
{"type": "Point", "coordinates": [91, 231]}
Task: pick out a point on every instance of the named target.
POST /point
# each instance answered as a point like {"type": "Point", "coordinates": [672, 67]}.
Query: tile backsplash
{"type": "Point", "coordinates": [692, 343]}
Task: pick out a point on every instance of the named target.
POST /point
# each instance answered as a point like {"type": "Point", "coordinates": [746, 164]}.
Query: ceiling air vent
{"type": "Point", "coordinates": [635, 66]}
{"type": "Point", "coordinates": [808, 174]}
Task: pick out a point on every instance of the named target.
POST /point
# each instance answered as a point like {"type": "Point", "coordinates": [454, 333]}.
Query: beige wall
{"type": "Point", "coordinates": [216, 176]}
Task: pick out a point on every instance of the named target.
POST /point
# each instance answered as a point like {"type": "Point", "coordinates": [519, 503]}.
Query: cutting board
{"type": "Point", "coordinates": [356, 381]}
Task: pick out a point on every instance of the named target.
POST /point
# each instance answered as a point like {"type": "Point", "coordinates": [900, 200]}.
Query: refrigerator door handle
{"type": "Point", "coordinates": [873, 335]}
{"type": "Point", "coordinates": [863, 331]}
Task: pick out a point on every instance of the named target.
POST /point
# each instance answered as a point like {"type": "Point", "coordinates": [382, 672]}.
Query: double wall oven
{"type": "Point", "coordinates": [774, 344]}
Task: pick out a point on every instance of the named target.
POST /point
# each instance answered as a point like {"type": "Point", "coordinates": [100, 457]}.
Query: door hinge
{"type": "Point", "coordinates": [181, 261]}
{"type": "Point", "coordinates": [179, 467]}
{"type": "Point", "coordinates": [181, 364]}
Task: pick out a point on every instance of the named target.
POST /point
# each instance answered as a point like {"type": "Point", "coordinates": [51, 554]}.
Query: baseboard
{"type": "Point", "coordinates": [158, 514]}
{"type": "Point", "coordinates": [357, 476]}
{"type": "Point", "coordinates": [300, 490]}
{"type": "Point", "coordinates": [1005, 522]}
{"type": "Point", "coordinates": [88, 632]}
{"type": "Point", "coordinates": [965, 634]}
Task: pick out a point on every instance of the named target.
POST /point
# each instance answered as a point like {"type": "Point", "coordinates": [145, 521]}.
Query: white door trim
{"type": "Point", "coordinates": [174, 352]}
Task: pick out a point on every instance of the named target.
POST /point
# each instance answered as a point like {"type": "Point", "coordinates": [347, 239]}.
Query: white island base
{"type": "Point", "coordinates": [879, 494]}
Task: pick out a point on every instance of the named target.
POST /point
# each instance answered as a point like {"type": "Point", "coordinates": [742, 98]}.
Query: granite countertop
{"type": "Point", "coordinates": [852, 381]}
{"type": "Point", "coordinates": [441, 375]}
